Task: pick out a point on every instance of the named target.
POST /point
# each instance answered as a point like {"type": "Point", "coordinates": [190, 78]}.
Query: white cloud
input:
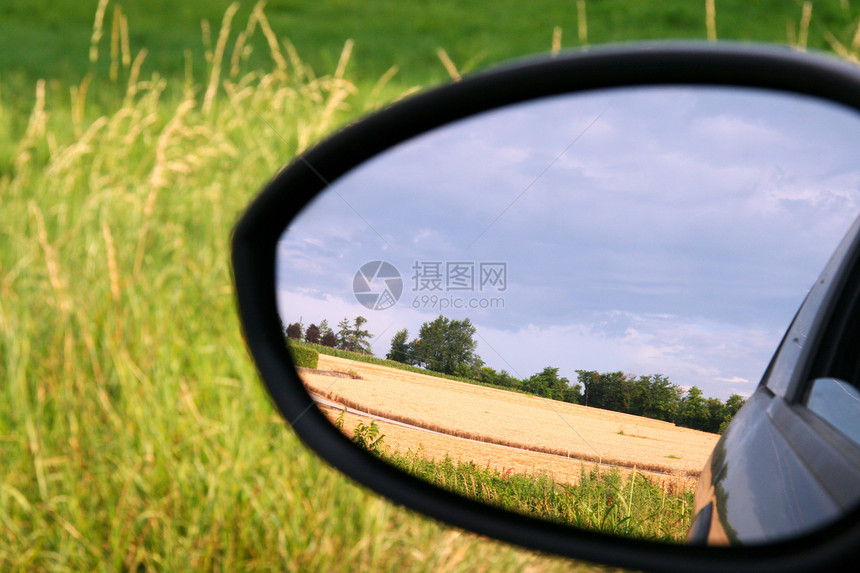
{"type": "Point", "coordinates": [733, 380]}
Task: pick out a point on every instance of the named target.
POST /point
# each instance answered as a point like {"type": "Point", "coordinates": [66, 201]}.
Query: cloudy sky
{"type": "Point", "coordinates": [649, 230]}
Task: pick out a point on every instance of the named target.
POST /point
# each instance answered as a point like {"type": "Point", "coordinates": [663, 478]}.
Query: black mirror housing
{"type": "Point", "coordinates": [254, 251]}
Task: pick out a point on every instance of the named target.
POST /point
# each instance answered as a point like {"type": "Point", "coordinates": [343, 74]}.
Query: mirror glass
{"type": "Point", "coordinates": [574, 294]}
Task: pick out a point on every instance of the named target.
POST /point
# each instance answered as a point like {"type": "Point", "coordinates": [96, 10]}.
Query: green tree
{"type": "Point", "coordinates": [294, 331]}
{"type": "Point", "coordinates": [610, 390]}
{"type": "Point", "coordinates": [716, 415]}
{"type": "Point", "coordinates": [654, 397]}
{"type": "Point", "coordinates": [360, 338]}
{"type": "Point", "coordinates": [572, 394]}
{"type": "Point", "coordinates": [508, 381]}
{"type": "Point", "coordinates": [324, 328]}
{"type": "Point", "coordinates": [733, 404]}
{"type": "Point", "coordinates": [489, 376]}
{"type": "Point", "coordinates": [444, 344]}
{"type": "Point", "coordinates": [312, 334]}
{"type": "Point", "coordinates": [401, 350]}
{"type": "Point", "coordinates": [343, 334]}
{"type": "Point", "coordinates": [694, 410]}
{"type": "Point", "coordinates": [587, 379]}
{"type": "Point", "coordinates": [352, 337]}
{"type": "Point", "coordinates": [469, 370]}
{"type": "Point", "coordinates": [329, 339]}
{"type": "Point", "coordinates": [547, 383]}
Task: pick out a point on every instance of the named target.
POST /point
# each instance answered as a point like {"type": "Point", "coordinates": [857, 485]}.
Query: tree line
{"type": "Point", "coordinates": [448, 346]}
{"type": "Point", "coordinates": [349, 335]}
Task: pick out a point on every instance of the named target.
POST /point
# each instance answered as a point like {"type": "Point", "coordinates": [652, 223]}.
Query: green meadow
{"type": "Point", "coordinates": [630, 506]}
{"type": "Point", "coordinates": [134, 434]}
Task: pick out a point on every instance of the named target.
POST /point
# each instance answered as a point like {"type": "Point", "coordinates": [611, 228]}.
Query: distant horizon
{"type": "Point", "coordinates": [572, 379]}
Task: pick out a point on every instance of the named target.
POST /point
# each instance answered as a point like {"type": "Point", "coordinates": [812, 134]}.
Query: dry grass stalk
{"type": "Point", "coordinates": [98, 30]}
{"type": "Point", "coordinates": [206, 38]}
{"type": "Point", "coordinates": [238, 53]}
{"type": "Point", "coordinates": [271, 38]}
{"type": "Point", "coordinates": [840, 49]}
{"type": "Point", "coordinates": [345, 54]}
{"type": "Point", "coordinates": [113, 268]}
{"type": "Point", "coordinates": [133, 76]}
{"type": "Point", "coordinates": [158, 179]}
{"type": "Point", "coordinates": [711, 20]}
{"type": "Point", "coordinates": [61, 161]}
{"type": "Point", "coordinates": [582, 22]}
{"type": "Point", "coordinates": [382, 82]}
{"type": "Point", "coordinates": [35, 128]}
{"type": "Point", "coordinates": [556, 40]}
{"type": "Point", "coordinates": [79, 100]}
{"type": "Point", "coordinates": [239, 47]}
{"type": "Point", "coordinates": [114, 43]}
{"type": "Point", "coordinates": [406, 93]}
{"type": "Point", "coordinates": [300, 70]}
{"type": "Point", "coordinates": [125, 49]}
{"type": "Point", "coordinates": [855, 42]}
{"type": "Point", "coordinates": [51, 260]}
{"type": "Point", "coordinates": [449, 64]}
{"type": "Point", "coordinates": [805, 19]}
{"type": "Point", "coordinates": [338, 88]}
{"type": "Point", "coordinates": [218, 57]}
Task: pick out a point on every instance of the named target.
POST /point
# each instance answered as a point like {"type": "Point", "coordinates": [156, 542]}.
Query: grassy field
{"type": "Point", "coordinates": [630, 505]}
{"type": "Point", "coordinates": [51, 38]}
{"type": "Point", "coordinates": [133, 432]}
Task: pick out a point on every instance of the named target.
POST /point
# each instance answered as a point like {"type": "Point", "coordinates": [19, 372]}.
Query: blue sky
{"type": "Point", "coordinates": [670, 230]}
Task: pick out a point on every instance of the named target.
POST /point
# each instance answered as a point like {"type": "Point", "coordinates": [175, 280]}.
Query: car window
{"type": "Point", "coordinates": [838, 403]}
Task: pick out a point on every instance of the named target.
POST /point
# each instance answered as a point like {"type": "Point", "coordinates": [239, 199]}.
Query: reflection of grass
{"type": "Point", "coordinates": [602, 501]}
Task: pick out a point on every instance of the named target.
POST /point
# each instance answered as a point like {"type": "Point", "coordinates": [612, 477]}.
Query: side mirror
{"type": "Point", "coordinates": [663, 208]}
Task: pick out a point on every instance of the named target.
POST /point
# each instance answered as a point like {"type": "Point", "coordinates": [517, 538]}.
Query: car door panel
{"type": "Point", "coordinates": [756, 506]}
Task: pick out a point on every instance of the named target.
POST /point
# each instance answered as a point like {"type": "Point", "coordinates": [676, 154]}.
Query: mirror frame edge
{"type": "Point", "coordinates": [256, 234]}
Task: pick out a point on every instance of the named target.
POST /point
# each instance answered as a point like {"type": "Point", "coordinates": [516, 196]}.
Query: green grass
{"type": "Point", "coordinates": [607, 502]}
{"type": "Point", "coordinates": [133, 431]}
{"type": "Point", "coordinates": [51, 38]}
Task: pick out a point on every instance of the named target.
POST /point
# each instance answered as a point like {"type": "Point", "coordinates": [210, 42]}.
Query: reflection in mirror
{"type": "Point", "coordinates": [837, 403]}
{"type": "Point", "coordinates": [574, 295]}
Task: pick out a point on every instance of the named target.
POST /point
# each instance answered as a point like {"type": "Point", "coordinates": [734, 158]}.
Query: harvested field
{"type": "Point", "coordinates": [503, 417]}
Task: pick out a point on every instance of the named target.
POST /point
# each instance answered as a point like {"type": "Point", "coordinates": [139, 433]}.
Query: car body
{"type": "Point", "coordinates": [790, 460]}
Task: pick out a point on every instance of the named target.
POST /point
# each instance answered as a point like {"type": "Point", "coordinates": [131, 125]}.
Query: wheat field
{"type": "Point", "coordinates": [502, 424]}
